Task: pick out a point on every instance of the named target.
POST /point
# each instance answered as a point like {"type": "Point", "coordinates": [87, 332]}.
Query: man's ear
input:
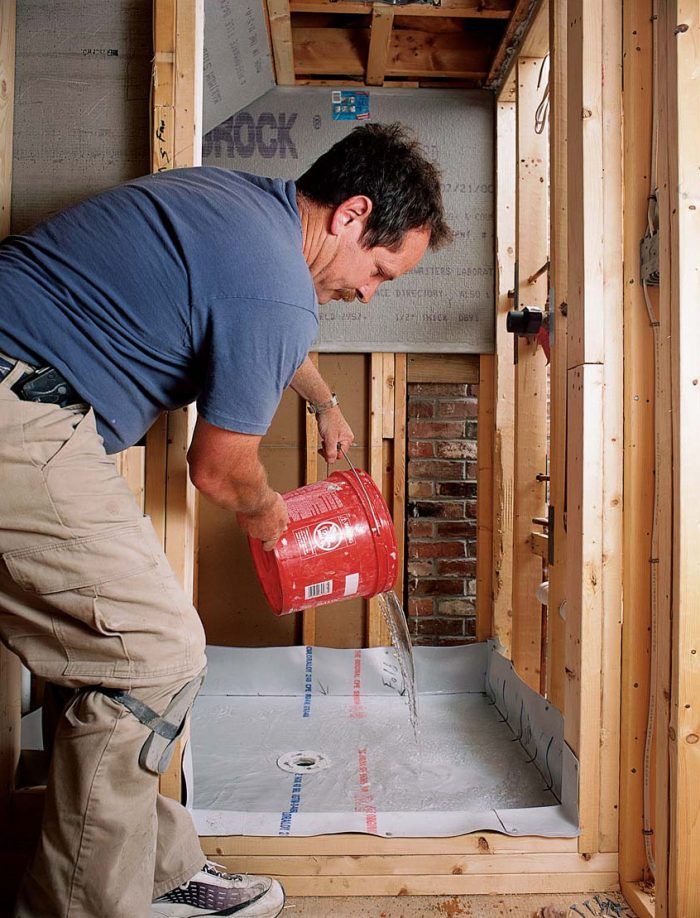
{"type": "Point", "coordinates": [351, 215]}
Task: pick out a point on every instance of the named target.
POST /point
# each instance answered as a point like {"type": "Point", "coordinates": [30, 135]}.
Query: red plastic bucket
{"type": "Point", "coordinates": [340, 542]}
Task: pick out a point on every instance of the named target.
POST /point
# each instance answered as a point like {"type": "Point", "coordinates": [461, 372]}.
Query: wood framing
{"type": "Point", "coordinates": [639, 388]}
{"type": "Point", "coordinates": [678, 890]}
{"type": "Point", "coordinates": [373, 44]}
{"type": "Point", "coordinates": [377, 629]}
{"type": "Point", "coordinates": [353, 865]}
{"type": "Point", "coordinates": [308, 627]}
{"type": "Point", "coordinates": [504, 378]}
{"type": "Point", "coordinates": [176, 140]}
{"type": "Point", "coordinates": [511, 41]}
{"type": "Point", "coordinates": [594, 420]}
{"type": "Point", "coordinates": [9, 663]}
{"type": "Point", "coordinates": [556, 675]}
{"type": "Point", "coordinates": [530, 401]}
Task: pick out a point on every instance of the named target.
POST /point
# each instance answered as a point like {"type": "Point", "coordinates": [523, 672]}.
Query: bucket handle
{"type": "Point", "coordinates": [364, 490]}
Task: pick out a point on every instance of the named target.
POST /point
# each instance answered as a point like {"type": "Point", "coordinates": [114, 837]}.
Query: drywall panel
{"type": "Point", "coordinates": [447, 303]}
{"type": "Point", "coordinates": [237, 64]}
{"type": "Point", "coordinates": [81, 101]}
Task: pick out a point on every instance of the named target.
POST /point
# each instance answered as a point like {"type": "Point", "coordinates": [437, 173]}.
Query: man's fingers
{"type": "Point", "coordinates": [269, 545]}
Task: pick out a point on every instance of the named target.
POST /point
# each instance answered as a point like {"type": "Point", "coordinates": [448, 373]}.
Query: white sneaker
{"type": "Point", "coordinates": [212, 891]}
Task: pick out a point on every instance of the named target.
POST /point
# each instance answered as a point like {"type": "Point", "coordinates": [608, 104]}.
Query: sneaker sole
{"type": "Point", "coordinates": [269, 905]}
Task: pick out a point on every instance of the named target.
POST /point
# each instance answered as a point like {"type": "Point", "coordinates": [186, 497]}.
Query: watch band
{"type": "Point", "coordinates": [322, 406]}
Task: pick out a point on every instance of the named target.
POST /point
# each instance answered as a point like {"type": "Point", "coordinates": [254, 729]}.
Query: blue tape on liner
{"type": "Point", "coordinates": [286, 820]}
{"type": "Point", "coordinates": [308, 681]}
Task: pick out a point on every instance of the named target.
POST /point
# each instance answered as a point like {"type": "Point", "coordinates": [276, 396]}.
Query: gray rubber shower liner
{"type": "Point", "coordinates": [311, 740]}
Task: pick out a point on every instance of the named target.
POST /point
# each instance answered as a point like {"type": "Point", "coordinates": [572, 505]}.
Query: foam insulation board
{"type": "Point", "coordinates": [447, 303]}
{"type": "Point", "coordinates": [81, 118]}
{"type": "Point", "coordinates": [311, 740]}
{"type": "Point", "coordinates": [237, 63]}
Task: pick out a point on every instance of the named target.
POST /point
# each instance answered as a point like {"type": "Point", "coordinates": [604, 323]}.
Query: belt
{"type": "Point", "coordinates": [41, 384]}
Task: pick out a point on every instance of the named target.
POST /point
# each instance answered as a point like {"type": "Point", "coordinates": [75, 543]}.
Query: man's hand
{"type": "Point", "coordinates": [332, 426]}
{"type": "Point", "coordinates": [335, 432]}
{"type": "Point", "coordinates": [268, 523]}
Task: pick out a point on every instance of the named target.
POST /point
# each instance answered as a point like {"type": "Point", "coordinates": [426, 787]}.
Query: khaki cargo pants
{"type": "Point", "coordinates": [87, 598]}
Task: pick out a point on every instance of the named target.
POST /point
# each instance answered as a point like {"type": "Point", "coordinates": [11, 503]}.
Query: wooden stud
{"type": "Point", "coordinates": [613, 424]}
{"type": "Point", "coordinates": [638, 439]}
{"type": "Point", "coordinates": [584, 592]}
{"type": "Point", "coordinates": [308, 627]}
{"type": "Point", "coordinates": [377, 631]}
{"type": "Point", "coordinates": [558, 338]}
{"type": "Point", "coordinates": [399, 484]}
{"type": "Point", "coordinates": [388, 395]}
{"type": "Point", "coordinates": [379, 39]}
{"type": "Point", "coordinates": [584, 145]}
{"type": "Point", "coordinates": [281, 36]}
{"type": "Point", "coordinates": [7, 108]}
{"type": "Point", "coordinates": [484, 498]}
{"type": "Point", "coordinates": [680, 34]}
{"type": "Point", "coordinates": [176, 141]}
{"type": "Point", "coordinates": [504, 378]}
{"type": "Point", "coordinates": [131, 464]}
{"type": "Point", "coordinates": [594, 415]}
{"type": "Point", "coordinates": [10, 703]}
{"type": "Point", "coordinates": [530, 424]}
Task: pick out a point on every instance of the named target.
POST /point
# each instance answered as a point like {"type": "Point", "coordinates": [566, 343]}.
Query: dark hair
{"type": "Point", "coordinates": [382, 162]}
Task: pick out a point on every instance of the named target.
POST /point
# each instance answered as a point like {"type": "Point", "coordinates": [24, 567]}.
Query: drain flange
{"type": "Point", "coordinates": [304, 762]}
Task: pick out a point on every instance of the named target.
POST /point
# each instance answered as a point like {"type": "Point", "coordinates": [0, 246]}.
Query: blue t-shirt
{"type": "Point", "coordinates": [182, 286]}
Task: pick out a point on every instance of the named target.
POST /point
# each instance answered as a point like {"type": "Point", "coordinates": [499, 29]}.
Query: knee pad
{"type": "Point", "coordinates": [166, 728]}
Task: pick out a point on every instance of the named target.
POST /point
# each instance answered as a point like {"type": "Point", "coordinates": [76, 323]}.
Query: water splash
{"type": "Point", "coordinates": [393, 613]}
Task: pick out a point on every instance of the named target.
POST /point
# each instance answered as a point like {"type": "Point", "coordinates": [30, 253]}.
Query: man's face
{"type": "Point", "coordinates": [354, 272]}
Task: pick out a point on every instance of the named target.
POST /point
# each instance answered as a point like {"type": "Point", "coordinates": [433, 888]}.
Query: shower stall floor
{"type": "Point", "coordinates": [304, 741]}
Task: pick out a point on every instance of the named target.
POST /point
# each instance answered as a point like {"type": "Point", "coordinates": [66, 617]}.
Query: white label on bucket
{"type": "Point", "coordinates": [352, 583]}
{"type": "Point", "coordinates": [314, 590]}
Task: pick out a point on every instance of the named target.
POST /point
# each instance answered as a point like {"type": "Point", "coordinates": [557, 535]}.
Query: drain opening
{"type": "Point", "coordinates": [303, 762]}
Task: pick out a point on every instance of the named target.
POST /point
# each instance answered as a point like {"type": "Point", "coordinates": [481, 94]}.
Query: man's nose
{"type": "Point", "coordinates": [367, 291]}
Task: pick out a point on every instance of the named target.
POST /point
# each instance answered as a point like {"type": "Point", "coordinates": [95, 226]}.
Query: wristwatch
{"type": "Point", "coordinates": [322, 406]}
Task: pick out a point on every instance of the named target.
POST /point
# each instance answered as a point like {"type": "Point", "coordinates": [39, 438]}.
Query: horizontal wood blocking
{"type": "Point", "coordinates": [486, 843]}
{"type": "Point", "coordinates": [404, 865]}
{"type": "Point", "coordinates": [539, 544]}
{"type": "Point", "coordinates": [453, 9]}
{"type": "Point", "coordinates": [446, 885]}
{"type": "Point", "coordinates": [443, 368]}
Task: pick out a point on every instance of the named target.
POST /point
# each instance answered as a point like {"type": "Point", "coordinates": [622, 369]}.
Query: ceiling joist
{"type": "Point", "coordinates": [456, 43]}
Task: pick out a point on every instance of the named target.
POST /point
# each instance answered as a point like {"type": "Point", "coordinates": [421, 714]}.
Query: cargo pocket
{"type": "Point", "coordinates": [73, 577]}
